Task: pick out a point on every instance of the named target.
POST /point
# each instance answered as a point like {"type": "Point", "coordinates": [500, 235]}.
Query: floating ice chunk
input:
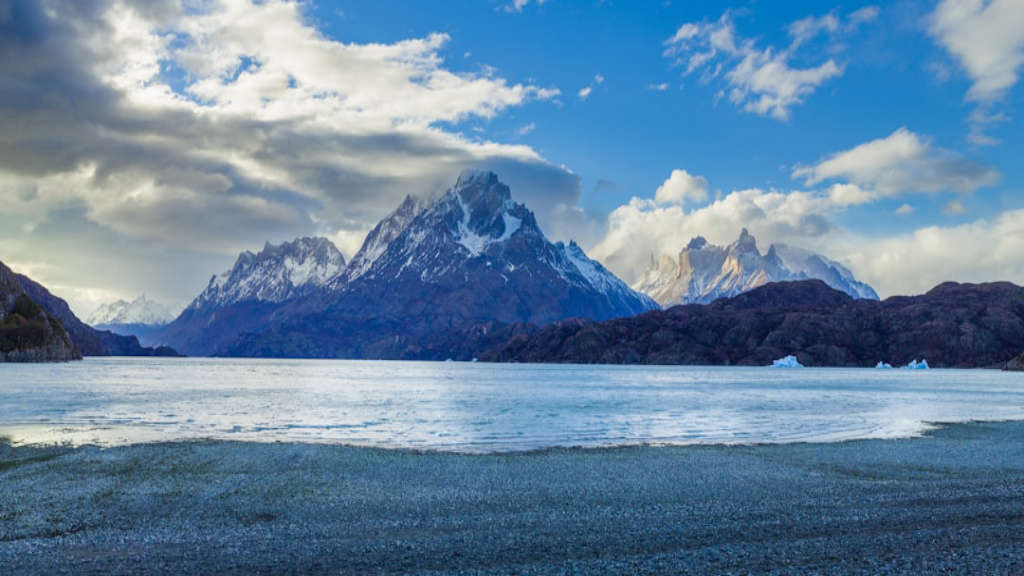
{"type": "Point", "coordinates": [787, 362]}
{"type": "Point", "coordinates": [883, 365]}
{"type": "Point", "coordinates": [915, 365]}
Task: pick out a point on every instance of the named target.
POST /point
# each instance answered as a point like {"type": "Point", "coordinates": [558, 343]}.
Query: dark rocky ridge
{"type": "Point", "coordinates": [27, 332]}
{"type": "Point", "coordinates": [953, 325]}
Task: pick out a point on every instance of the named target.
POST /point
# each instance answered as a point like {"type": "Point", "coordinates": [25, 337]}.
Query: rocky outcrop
{"type": "Point", "coordinates": [27, 332]}
{"type": "Point", "coordinates": [1015, 365]}
{"type": "Point", "coordinates": [953, 325]}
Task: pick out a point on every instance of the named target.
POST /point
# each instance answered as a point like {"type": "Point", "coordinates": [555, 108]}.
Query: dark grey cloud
{"type": "Point", "coordinates": [93, 138]}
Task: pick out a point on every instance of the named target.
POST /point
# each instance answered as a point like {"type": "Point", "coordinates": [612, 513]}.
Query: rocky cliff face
{"type": "Point", "coordinates": [1015, 365]}
{"type": "Point", "coordinates": [953, 325]}
{"type": "Point", "coordinates": [703, 272]}
{"type": "Point", "coordinates": [474, 257]}
{"type": "Point", "coordinates": [27, 332]}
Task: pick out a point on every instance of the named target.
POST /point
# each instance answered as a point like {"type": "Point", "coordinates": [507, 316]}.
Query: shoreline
{"type": "Point", "coordinates": [999, 367]}
{"type": "Point", "coordinates": [951, 500]}
{"type": "Point", "coordinates": [925, 430]}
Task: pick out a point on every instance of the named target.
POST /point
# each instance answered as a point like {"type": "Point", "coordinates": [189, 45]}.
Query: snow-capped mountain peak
{"type": "Point", "coordinates": [141, 310]}
{"type": "Point", "coordinates": [277, 273]}
{"type": "Point", "coordinates": [474, 231]}
{"type": "Point", "coordinates": [703, 272]}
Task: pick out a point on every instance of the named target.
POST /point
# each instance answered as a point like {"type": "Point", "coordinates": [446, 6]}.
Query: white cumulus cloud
{"type": "Point", "coordinates": [682, 187]}
{"type": "Point", "coordinates": [901, 163]}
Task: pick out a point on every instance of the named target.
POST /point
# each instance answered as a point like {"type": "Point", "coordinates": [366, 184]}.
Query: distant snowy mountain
{"type": "Point", "coordinates": [807, 265]}
{"type": "Point", "coordinates": [703, 272]}
{"type": "Point", "coordinates": [275, 274]}
{"type": "Point", "coordinates": [472, 257]}
{"type": "Point", "coordinates": [142, 310]}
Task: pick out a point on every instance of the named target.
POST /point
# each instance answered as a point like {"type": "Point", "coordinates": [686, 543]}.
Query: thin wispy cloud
{"type": "Point", "coordinates": [528, 128]}
{"type": "Point", "coordinates": [760, 80]}
{"type": "Point", "coordinates": [517, 6]}
{"type": "Point", "coordinates": [585, 92]}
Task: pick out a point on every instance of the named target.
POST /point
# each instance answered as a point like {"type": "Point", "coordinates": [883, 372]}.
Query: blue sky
{"type": "Point", "coordinates": [629, 134]}
{"type": "Point", "coordinates": [148, 143]}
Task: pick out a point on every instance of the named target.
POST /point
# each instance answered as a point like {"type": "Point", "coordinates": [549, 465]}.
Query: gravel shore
{"type": "Point", "coordinates": [952, 502]}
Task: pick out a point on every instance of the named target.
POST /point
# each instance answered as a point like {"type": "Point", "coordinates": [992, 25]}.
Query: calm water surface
{"type": "Point", "coordinates": [484, 407]}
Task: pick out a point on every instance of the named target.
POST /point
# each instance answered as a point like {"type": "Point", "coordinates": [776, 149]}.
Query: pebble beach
{"type": "Point", "coordinates": [949, 502]}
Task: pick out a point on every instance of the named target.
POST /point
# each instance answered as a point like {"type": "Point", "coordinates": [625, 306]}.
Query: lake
{"type": "Point", "coordinates": [469, 407]}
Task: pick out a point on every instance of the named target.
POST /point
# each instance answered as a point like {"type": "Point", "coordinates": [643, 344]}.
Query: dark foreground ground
{"type": "Point", "coordinates": [951, 503]}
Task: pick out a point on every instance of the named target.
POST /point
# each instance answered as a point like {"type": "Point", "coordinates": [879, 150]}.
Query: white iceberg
{"type": "Point", "coordinates": [787, 362]}
{"type": "Point", "coordinates": [915, 365]}
{"type": "Point", "coordinates": [883, 365]}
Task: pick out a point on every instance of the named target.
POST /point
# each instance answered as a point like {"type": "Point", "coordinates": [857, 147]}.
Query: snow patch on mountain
{"type": "Point", "coordinates": [476, 243]}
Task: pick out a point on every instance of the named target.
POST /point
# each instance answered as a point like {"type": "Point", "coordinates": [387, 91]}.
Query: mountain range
{"type": "Point", "coordinates": [470, 274]}
{"type": "Point", "coordinates": [702, 272]}
{"type": "Point", "coordinates": [471, 261]}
